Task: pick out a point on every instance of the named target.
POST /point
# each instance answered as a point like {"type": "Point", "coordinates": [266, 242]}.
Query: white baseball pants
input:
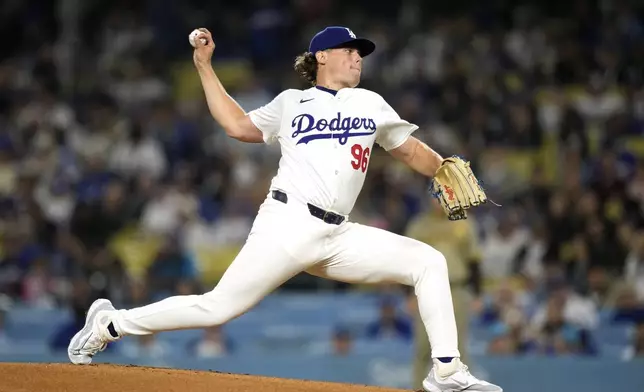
{"type": "Point", "coordinates": [286, 240]}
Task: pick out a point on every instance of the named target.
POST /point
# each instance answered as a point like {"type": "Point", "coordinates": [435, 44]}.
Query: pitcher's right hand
{"type": "Point", "coordinates": [203, 51]}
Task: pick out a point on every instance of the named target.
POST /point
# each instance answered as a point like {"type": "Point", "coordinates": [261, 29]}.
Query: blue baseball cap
{"type": "Point", "coordinates": [340, 37]}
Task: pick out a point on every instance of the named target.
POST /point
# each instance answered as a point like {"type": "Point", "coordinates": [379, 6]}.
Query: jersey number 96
{"type": "Point", "coordinates": [360, 157]}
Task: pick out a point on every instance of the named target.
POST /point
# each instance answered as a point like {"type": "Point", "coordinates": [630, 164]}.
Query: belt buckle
{"type": "Point", "coordinates": [326, 213]}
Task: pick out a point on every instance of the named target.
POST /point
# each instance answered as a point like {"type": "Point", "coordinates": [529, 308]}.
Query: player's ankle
{"type": "Point", "coordinates": [446, 366]}
{"type": "Point", "coordinates": [107, 329]}
{"type": "Point", "coordinates": [112, 331]}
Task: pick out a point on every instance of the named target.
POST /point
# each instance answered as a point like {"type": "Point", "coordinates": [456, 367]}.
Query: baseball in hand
{"type": "Point", "coordinates": [193, 36]}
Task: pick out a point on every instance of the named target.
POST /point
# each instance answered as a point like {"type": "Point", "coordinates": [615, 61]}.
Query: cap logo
{"type": "Point", "coordinates": [351, 33]}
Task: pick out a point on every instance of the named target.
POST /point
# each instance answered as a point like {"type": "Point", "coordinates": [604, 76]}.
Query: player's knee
{"type": "Point", "coordinates": [216, 310]}
{"type": "Point", "coordinates": [431, 261]}
{"type": "Point", "coordinates": [439, 262]}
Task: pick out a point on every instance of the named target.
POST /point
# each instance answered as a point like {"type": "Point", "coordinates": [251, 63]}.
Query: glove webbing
{"type": "Point", "coordinates": [478, 201]}
{"type": "Point", "coordinates": [473, 198]}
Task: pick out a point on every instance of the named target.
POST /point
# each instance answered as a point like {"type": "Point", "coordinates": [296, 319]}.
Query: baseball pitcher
{"type": "Point", "coordinates": [326, 134]}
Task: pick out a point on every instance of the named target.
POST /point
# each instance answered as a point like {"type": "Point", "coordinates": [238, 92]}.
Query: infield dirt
{"type": "Point", "coordinates": [24, 377]}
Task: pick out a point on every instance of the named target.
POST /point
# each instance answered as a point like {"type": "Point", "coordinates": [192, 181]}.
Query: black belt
{"type": "Point", "coordinates": [326, 216]}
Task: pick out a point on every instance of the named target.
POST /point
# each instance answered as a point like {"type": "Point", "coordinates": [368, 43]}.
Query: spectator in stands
{"type": "Point", "coordinates": [635, 189]}
{"type": "Point", "coordinates": [95, 178]}
{"type": "Point", "coordinates": [213, 344]}
{"type": "Point", "coordinates": [634, 269]}
{"type": "Point", "coordinates": [563, 305]}
{"type": "Point", "coordinates": [572, 133]}
{"type": "Point", "coordinates": [94, 223]}
{"type": "Point", "coordinates": [56, 198]}
{"type": "Point", "coordinates": [138, 154]}
{"type": "Point", "coordinates": [605, 249]}
{"type": "Point", "coordinates": [390, 324]}
{"type": "Point", "coordinates": [168, 209]}
{"type": "Point", "coordinates": [171, 266]}
{"type": "Point", "coordinates": [637, 349]}
{"type": "Point", "coordinates": [146, 346]}
{"type": "Point", "coordinates": [509, 335]}
{"type": "Point", "coordinates": [599, 102]}
{"type": "Point", "coordinates": [5, 306]}
{"type": "Point", "coordinates": [17, 255]}
{"type": "Point", "coordinates": [504, 248]}
{"type": "Point", "coordinates": [506, 299]}
{"type": "Point", "coordinates": [8, 168]}
{"type": "Point", "coordinates": [523, 131]}
{"type": "Point", "coordinates": [138, 86]}
{"type": "Point", "coordinates": [628, 308]}
{"type": "Point", "coordinates": [342, 342]}
{"type": "Point", "coordinates": [560, 227]}
{"type": "Point", "coordinates": [178, 134]}
{"type": "Point", "coordinates": [601, 287]}
{"type": "Point", "coordinates": [557, 337]}
{"type": "Point", "coordinates": [38, 284]}
{"type": "Point", "coordinates": [564, 323]}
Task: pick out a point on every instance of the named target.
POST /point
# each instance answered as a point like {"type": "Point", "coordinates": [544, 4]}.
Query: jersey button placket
{"type": "Point", "coordinates": [335, 142]}
{"type": "Point", "coordinates": [338, 158]}
{"type": "Point", "coordinates": [336, 152]}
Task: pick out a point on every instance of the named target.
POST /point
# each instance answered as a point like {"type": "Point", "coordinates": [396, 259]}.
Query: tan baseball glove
{"type": "Point", "coordinates": [457, 188]}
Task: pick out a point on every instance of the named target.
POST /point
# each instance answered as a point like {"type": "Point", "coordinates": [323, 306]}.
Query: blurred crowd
{"type": "Point", "coordinates": [115, 180]}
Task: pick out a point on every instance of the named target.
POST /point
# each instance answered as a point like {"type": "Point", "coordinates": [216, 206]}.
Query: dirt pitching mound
{"type": "Point", "coordinates": [23, 377]}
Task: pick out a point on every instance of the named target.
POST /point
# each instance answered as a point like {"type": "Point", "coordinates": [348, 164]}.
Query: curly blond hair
{"type": "Point", "coordinates": [306, 65]}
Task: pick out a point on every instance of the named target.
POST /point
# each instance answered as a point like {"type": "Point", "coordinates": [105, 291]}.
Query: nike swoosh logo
{"type": "Point", "coordinates": [306, 100]}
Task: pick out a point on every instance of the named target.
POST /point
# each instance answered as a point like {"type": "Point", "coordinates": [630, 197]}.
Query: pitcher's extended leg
{"type": "Point", "coordinates": [261, 266]}
{"type": "Point", "coordinates": [363, 254]}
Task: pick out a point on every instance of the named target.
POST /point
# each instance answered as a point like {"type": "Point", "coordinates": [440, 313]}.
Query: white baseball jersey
{"type": "Point", "coordinates": [326, 139]}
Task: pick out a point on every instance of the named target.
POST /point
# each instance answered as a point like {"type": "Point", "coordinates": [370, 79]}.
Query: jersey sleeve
{"type": "Point", "coordinates": [392, 131]}
{"type": "Point", "coordinates": [268, 118]}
